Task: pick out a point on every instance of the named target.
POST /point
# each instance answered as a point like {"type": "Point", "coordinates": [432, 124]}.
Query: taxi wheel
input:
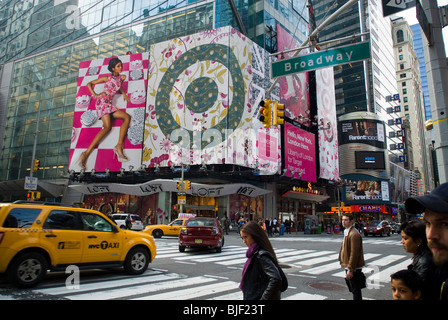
{"type": "Point", "coordinates": [28, 270]}
{"type": "Point", "coordinates": [157, 233]}
{"type": "Point", "coordinates": [136, 261]}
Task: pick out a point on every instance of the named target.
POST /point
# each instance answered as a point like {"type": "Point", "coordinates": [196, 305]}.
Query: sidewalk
{"type": "Point", "coordinates": [295, 234]}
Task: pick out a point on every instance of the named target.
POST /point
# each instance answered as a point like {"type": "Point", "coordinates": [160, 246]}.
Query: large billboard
{"type": "Point", "coordinates": [92, 147]}
{"type": "Point", "coordinates": [328, 130]}
{"type": "Point", "coordinates": [191, 100]}
{"type": "Point", "coordinates": [300, 153]}
{"type": "Point", "coordinates": [367, 131]}
{"type": "Point", "coordinates": [294, 89]}
{"type": "Point", "coordinates": [203, 95]}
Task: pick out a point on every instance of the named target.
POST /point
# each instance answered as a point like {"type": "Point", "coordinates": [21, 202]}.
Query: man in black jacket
{"type": "Point", "coordinates": [435, 208]}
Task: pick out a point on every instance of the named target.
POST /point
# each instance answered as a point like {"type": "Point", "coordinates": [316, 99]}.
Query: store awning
{"type": "Point", "coordinates": [311, 197]}
{"type": "Point", "coordinates": [165, 185]}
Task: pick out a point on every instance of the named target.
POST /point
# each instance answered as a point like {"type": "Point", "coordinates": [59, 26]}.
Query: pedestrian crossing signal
{"type": "Point", "coordinates": [279, 114]}
{"type": "Point", "coordinates": [265, 112]}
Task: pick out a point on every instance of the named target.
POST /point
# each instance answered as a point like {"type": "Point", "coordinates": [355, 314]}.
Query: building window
{"type": "Point", "coordinates": [400, 36]}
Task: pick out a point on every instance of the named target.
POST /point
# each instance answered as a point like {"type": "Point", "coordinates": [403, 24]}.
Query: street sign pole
{"type": "Point", "coordinates": [437, 72]}
{"type": "Point", "coordinates": [336, 14]}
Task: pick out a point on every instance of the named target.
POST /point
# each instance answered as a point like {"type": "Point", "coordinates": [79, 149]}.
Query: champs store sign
{"type": "Point", "coordinates": [191, 100]}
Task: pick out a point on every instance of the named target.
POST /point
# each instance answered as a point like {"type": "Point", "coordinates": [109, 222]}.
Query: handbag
{"type": "Point", "coordinates": [357, 282]}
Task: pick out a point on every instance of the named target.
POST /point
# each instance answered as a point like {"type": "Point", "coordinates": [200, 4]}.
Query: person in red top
{"type": "Point", "coordinates": [105, 109]}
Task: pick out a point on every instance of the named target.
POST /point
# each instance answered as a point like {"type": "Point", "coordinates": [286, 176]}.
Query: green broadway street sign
{"type": "Point", "coordinates": [321, 59]}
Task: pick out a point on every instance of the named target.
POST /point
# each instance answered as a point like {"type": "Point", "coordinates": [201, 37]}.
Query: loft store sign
{"type": "Point", "coordinates": [165, 185]}
{"type": "Point", "coordinates": [321, 59]}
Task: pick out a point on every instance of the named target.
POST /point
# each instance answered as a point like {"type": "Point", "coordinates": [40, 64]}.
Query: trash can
{"type": "Point", "coordinates": [336, 229]}
{"type": "Point", "coordinates": [319, 229]}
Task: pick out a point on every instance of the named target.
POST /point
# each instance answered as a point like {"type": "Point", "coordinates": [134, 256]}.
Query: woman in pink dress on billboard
{"type": "Point", "coordinates": [105, 110]}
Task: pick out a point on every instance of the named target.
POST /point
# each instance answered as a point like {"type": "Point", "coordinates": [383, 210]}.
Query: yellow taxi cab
{"type": "Point", "coordinates": [171, 229]}
{"type": "Point", "coordinates": [36, 237]}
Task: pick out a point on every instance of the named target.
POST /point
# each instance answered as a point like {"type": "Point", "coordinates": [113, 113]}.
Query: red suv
{"type": "Point", "coordinates": [201, 232]}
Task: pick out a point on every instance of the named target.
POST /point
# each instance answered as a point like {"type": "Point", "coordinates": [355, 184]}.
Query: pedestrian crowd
{"type": "Point", "coordinates": [426, 278]}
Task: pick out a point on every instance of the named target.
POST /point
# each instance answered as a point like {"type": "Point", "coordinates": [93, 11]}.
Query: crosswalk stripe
{"type": "Point", "coordinates": [384, 275]}
{"type": "Point", "coordinates": [387, 260]}
{"type": "Point", "coordinates": [106, 283]}
{"type": "Point", "coordinates": [335, 265]}
{"type": "Point", "coordinates": [144, 289]}
{"type": "Point", "coordinates": [232, 252]}
{"type": "Point", "coordinates": [192, 293]}
{"type": "Point", "coordinates": [244, 259]}
{"type": "Point", "coordinates": [305, 296]}
{"type": "Point", "coordinates": [299, 253]}
{"type": "Point", "coordinates": [314, 261]}
{"type": "Point", "coordinates": [238, 295]}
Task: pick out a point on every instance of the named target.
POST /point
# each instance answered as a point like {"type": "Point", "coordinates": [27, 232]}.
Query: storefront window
{"type": "Point", "coordinates": [145, 207]}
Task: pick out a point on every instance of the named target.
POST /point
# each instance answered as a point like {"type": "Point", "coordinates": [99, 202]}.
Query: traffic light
{"type": "Point", "coordinates": [179, 185]}
{"type": "Point", "coordinates": [265, 112]}
{"type": "Point", "coordinates": [187, 185]}
{"type": "Point", "coordinates": [36, 165]}
{"type": "Point", "coordinates": [279, 114]}
{"type": "Point", "coordinates": [33, 195]}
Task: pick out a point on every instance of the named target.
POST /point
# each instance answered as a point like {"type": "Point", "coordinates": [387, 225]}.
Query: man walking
{"type": "Point", "coordinates": [435, 216]}
{"type": "Point", "coordinates": [351, 257]}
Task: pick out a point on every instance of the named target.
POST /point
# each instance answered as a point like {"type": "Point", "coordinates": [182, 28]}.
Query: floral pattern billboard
{"type": "Point", "coordinates": [202, 102]}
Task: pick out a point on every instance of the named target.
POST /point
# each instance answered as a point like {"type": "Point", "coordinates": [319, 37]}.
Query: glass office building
{"type": "Point", "coordinates": [43, 42]}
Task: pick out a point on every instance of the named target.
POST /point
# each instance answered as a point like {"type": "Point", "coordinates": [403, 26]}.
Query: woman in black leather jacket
{"type": "Point", "coordinates": [261, 279]}
{"type": "Point", "coordinates": [413, 238]}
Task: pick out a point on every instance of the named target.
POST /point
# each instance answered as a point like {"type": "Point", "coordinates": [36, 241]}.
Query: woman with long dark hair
{"type": "Point", "coordinates": [261, 277]}
{"type": "Point", "coordinates": [413, 238]}
{"type": "Point", "coordinates": [105, 110]}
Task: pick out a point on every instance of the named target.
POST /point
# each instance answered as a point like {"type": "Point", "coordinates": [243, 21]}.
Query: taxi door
{"type": "Point", "coordinates": [174, 227]}
{"type": "Point", "coordinates": [101, 243]}
{"type": "Point", "coordinates": [61, 234]}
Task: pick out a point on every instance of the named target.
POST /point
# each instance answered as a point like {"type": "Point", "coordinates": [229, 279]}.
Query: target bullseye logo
{"type": "Point", "coordinates": [205, 83]}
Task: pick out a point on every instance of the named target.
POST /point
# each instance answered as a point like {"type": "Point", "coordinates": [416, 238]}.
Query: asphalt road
{"type": "Point", "coordinates": [309, 261]}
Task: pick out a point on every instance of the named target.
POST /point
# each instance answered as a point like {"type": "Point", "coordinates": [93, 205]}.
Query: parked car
{"type": "Point", "coordinates": [395, 227]}
{"type": "Point", "coordinates": [377, 227]}
{"type": "Point", "coordinates": [36, 237]}
{"type": "Point", "coordinates": [136, 221]}
{"type": "Point", "coordinates": [171, 229]}
{"type": "Point", "coordinates": [201, 232]}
